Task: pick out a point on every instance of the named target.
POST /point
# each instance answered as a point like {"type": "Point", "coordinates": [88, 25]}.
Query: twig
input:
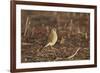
{"type": "Point", "coordinates": [74, 54]}
{"type": "Point", "coordinates": [26, 26]}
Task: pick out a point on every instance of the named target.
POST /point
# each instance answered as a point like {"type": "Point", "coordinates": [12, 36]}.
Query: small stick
{"type": "Point", "coordinates": [26, 26]}
{"type": "Point", "coordinates": [74, 54]}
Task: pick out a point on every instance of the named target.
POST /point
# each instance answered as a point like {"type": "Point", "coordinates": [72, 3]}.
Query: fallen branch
{"type": "Point", "coordinates": [74, 54]}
